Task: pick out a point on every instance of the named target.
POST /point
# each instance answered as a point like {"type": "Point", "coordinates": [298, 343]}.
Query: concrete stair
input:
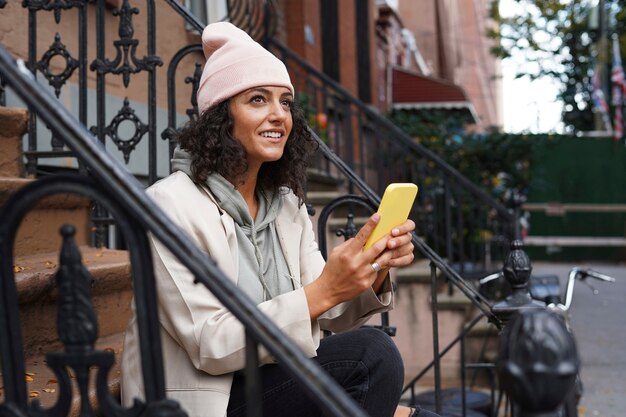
{"type": "Point", "coordinates": [36, 258]}
{"type": "Point", "coordinates": [412, 316]}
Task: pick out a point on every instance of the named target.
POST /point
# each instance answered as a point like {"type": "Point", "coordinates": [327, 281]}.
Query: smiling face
{"type": "Point", "coordinates": [262, 123]}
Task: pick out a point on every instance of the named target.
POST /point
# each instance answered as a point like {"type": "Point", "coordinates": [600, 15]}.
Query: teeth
{"type": "Point", "coordinates": [275, 135]}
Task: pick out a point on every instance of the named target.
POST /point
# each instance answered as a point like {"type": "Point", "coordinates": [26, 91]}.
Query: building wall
{"type": "Point", "coordinates": [304, 15]}
{"type": "Point", "coordinates": [420, 18]}
{"type": "Point", "coordinates": [171, 35]}
{"type": "Point", "coordinates": [390, 52]}
{"type": "Point", "coordinates": [451, 37]}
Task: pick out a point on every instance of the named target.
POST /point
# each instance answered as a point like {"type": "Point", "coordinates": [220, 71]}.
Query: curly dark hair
{"type": "Point", "coordinates": [209, 141]}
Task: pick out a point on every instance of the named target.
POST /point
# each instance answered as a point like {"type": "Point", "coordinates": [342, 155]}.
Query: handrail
{"type": "Point", "coordinates": [399, 134]}
{"type": "Point", "coordinates": [123, 186]}
{"type": "Point", "coordinates": [479, 300]}
{"type": "Point", "coordinates": [367, 191]}
{"type": "Point", "coordinates": [190, 19]}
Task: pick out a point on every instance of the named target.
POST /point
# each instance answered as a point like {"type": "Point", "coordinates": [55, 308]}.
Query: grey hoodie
{"type": "Point", "coordinates": [263, 270]}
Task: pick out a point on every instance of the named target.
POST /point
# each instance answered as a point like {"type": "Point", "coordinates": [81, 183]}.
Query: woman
{"type": "Point", "coordinates": [237, 190]}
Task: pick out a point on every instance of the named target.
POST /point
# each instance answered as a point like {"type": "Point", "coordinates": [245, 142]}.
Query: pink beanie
{"type": "Point", "coordinates": [235, 63]}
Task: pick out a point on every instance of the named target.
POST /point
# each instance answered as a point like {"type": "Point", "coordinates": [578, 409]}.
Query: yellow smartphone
{"type": "Point", "coordinates": [394, 209]}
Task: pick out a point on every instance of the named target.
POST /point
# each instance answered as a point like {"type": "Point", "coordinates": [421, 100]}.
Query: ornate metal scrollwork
{"type": "Point", "coordinates": [126, 61]}
{"type": "Point", "coordinates": [126, 113]}
{"type": "Point", "coordinates": [56, 80]}
{"type": "Point", "coordinates": [350, 230]}
{"type": "Point", "coordinates": [517, 268]}
{"type": "Point", "coordinates": [76, 322]}
{"type": "Point", "coordinates": [53, 5]}
{"type": "Point", "coordinates": [77, 327]}
{"type": "Point", "coordinates": [2, 91]}
{"type": "Point", "coordinates": [538, 362]}
{"type": "Point", "coordinates": [194, 80]}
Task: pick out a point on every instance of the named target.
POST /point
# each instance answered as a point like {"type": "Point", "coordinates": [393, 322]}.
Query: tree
{"type": "Point", "coordinates": [558, 39]}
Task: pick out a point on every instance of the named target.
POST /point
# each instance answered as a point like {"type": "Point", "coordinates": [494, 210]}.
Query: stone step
{"type": "Point", "coordinates": [38, 232]}
{"type": "Point", "coordinates": [42, 383]}
{"type": "Point", "coordinates": [321, 198]}
{"type": "Point", "coordinates": [320, 180]}
{"type": "Point", "coordinates": [13, 125]}
{"type": "Point", "coordinates": [417, 272]}
{"type": "Point", "coordinates": [111, 294]}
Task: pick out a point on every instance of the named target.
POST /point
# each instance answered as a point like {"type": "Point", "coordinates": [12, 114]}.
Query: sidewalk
{"type": "Point", "coordinates": [599, 323]}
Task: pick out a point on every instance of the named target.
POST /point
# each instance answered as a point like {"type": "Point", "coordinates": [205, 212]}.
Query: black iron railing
{"type": "Point", "coordinates": [111, 183]}
{"type": "Point", "coordinates": [458, 219]}
{"type": "Point", "coordinates": [458, 224]}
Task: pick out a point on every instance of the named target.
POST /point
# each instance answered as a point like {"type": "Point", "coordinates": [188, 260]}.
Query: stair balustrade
{"type": "Point", "coordinates": [459, 226]}
{"type": "Point", "coordinates": [122, 194]}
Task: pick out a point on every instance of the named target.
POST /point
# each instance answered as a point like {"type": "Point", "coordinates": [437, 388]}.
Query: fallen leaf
{"type": "Point", "coordinates": [29, 373]}
{"type": "Point", "coordinates": [99, 255]}
{"type": "Point", "coordinates": [34, 394]}
{"type": "Point", "coordinates": [48, 390]}
{"type": "Point", "coordinates": [109, 349]}
{"type": "Point", "coordinates": [17, 268]}
{"type": "Point", "coordinates": [28, 378]}
{"type": "Point", "coordinates": [51, 381]}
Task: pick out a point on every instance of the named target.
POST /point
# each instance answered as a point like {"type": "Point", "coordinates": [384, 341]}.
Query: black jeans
{"type": "Point", "coordinates": [365, 362]}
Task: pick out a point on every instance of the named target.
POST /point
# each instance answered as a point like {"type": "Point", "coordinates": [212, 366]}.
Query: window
{"type": "Point", "coordinates": [208, 11]}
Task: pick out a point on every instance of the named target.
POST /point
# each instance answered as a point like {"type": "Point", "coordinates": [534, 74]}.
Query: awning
{"type": "Point", "coordinates": [411, 91]}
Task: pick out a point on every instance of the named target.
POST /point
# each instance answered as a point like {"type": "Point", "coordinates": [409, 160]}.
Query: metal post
{"type": "Point", "coordinates": [538, 363]}
{"type": "Point", "coordinates": [601, 60]}
{"type": "Point", "coordinates": [435, 318]}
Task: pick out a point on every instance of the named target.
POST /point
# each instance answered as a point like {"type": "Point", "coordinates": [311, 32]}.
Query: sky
{"type": "Point", "coordinates": [529, 106]}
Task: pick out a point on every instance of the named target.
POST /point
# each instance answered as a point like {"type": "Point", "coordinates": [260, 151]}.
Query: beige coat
{"type": "Point", "coordinates": [203, 343]}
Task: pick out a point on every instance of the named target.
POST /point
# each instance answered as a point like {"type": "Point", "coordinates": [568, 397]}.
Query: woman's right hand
{"type": "Point", "coordinates": [348, 271]}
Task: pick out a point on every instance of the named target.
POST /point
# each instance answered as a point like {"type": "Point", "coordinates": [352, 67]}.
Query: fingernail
{"type": "Point", "coordinates": [376, 217]}
{"type": "Point", "coordinates": [392, 244]}
{"type": "Point", "coordinates": [395, 232]}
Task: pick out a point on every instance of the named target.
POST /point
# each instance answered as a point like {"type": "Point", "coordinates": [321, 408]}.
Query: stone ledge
{"type": "Point", "coordinates": [13, 121]}
{"type": "Point", "coordinates": [322, 177]}
{"type": "Point", "coordinates": [9, 185]}
{"type": "Point", "coordinates": [44, 385]}
{"type": "Point", "coordinates": [321, 198]}
{"type": "Point", "coordinates": [335, 223]}
{"type": "Point", "coordinates": [457, 301]}
{"type": "Point", "coordinates": [111, 294]}
{"type": "Point", "coordinates": [417, 273]}
{"type": "Point", "coordinates": [13, 125]}
{"type": "Point", "coordinates": [34, 276]}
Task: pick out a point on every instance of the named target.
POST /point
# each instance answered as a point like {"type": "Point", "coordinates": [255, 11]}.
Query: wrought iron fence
{"type": "Point", "coordinates": [121, 193]}
{"type": "Point", "coordinates": [455, 219]}
{"type": "Point", "coordinates": [459, 220]}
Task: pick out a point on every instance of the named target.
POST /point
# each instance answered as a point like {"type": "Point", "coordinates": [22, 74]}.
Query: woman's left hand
{"type": "Point", "coordinates": [398, 253]}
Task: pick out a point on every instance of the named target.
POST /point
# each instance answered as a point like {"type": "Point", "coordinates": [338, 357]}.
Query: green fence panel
{"type": "Point", "coordinates": [582, 171]}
